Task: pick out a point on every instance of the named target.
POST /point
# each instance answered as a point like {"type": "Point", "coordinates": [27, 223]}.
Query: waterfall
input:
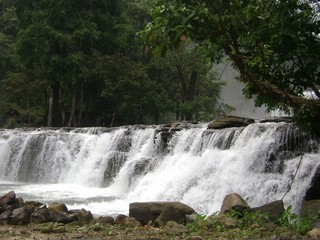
{"type": "Point", "coordinates": [104, 170]}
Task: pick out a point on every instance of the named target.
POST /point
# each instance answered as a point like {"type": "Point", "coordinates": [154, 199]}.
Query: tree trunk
{"type": "Point", "coordinates": [81, 106]}
{"type": "Point", "coordinates": [53, 106]}
{"type": "Point", "coordinates": [50, 109]}
{"type": "Point", "coordinates": [71, 122]}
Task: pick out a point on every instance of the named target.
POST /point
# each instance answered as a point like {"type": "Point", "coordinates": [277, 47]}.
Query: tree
{"type": "Point", "coordinates": [191, 83]}
{"type": "Point", "coordinates": [275, 45]}
{"type": "Point", "coordinates": [56, 40]}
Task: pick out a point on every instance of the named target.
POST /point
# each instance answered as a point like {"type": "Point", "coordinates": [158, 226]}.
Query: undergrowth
{"type": "Point", "coordinates": [252, 225]}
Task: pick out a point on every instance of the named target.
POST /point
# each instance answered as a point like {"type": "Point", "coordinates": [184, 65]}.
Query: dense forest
{"type": "Point", "coordinates": [114, 62]}
{"type": "Point", "coordinates": [83, 63]}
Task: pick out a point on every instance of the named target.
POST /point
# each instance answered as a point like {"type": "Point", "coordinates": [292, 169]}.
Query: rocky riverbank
{"type": "Point", "coordinates": [20, 219]}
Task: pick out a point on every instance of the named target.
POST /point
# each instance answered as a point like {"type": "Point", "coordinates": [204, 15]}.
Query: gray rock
{"type": "Point", "coordinates": [41, 216]}
{"type": "Point", "coordinates": [5, 216]}
{"type": "Point", "coordinates": [8, 198]}
{"type": "Point", "coordinates": [20, 216]}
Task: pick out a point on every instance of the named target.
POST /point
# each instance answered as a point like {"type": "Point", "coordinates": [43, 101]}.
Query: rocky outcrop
{"type": "Point", "coordinates": [314, 191]}
{"type": "Point", "coordinates": [15, 211]}
{"type": "Point", "coordinates": [230, 121]}
{"type": "Point", "coordinates": [159, 213]}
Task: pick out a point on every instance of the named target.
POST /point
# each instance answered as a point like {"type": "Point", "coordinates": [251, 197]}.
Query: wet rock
{"type": "Point", "coordinates": [313, 192]}
{"type": "Point", "coordinates": [230, 121]}
{"type": "Point", "coordinates": [277, 119]}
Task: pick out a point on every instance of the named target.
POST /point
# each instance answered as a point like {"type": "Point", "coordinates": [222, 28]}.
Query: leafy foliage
{"type": "Point", "coordinates": [274, 45]}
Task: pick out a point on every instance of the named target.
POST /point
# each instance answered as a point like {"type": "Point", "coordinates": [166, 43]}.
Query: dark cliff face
{"type": "Point", "coordinates": [314, 191]}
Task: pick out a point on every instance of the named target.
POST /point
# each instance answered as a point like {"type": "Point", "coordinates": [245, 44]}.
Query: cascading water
{"type": "Point", "coordinates": [103, 170]}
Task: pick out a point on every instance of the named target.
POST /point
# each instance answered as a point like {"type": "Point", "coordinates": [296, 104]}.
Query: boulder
{"type": "Point", "coordinates": [62, 217]}
{"type": "Point", "coordinates": [105, 220]}
{"type": "Point", "coordinates": [41, 216]}
{"type": "Point", "coordinates": [150, 211]}
{"type": "Point", "coordinates": [84, 216]}
{"type": "Point", "coordinates": [5, 216]}
{"type": "Point", "coordinates": [273, 210]}
{"type": "Point", "coordinates": [230, 121]}
{"type": "Point", "coordinates": [58, 207]}
{"type": "Point", "coordinates": [233, 201]}
{"type": "Point", "coordinates": [8, 199]}
{"type": "Point", "coordinates": [20, 216]}
{"type": "Point", "coordinates": [120, 218]}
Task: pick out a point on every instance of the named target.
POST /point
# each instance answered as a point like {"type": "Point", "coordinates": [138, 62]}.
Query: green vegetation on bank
{"type": "Point", "coordinates": [246, 225]}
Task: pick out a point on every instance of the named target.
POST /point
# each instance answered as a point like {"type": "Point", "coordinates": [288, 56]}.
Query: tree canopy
{"type": "Point", "coordinates": [275, 46]}
{"type": "Point", "coordinates": [80, 63]}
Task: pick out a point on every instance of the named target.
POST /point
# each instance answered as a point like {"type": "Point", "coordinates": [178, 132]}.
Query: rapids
{"type": "Point", "coordinates": [103, 170]}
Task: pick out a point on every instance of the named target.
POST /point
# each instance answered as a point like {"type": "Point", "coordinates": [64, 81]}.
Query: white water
{"type": "Point", "coordinates": [105, 171]}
